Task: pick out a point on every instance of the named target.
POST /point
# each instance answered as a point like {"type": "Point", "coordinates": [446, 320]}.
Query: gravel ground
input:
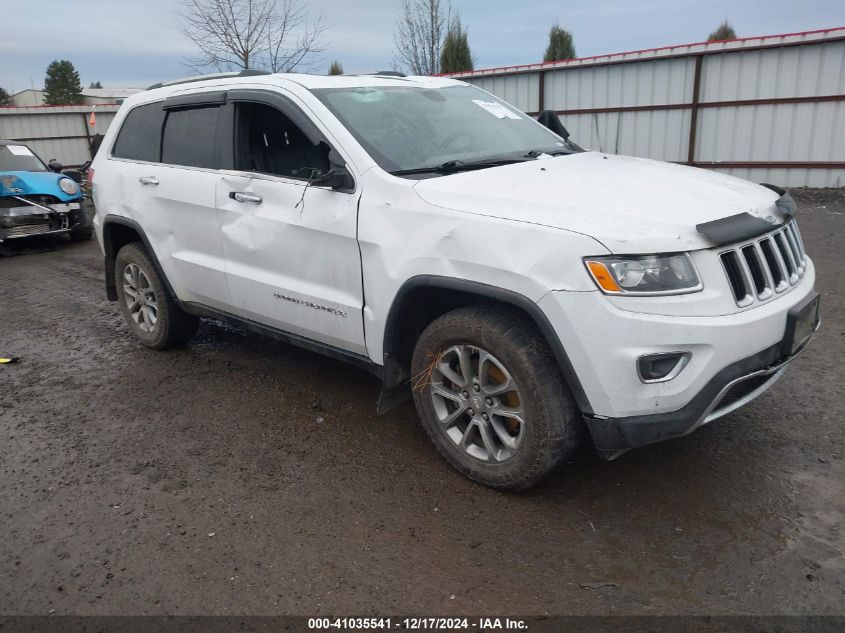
{"type": "Point", "coordinates": [241, 476]}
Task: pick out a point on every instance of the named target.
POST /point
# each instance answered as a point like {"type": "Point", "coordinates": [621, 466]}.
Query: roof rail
{"type": "Point", "coordinates": [243, 73]}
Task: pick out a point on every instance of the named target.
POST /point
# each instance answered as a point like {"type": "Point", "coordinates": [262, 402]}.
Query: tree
{"type": "Point", "coordinates": [61, 85]}
{"type": "Point", "coordinates": [420, 31]}
{"type": "Point", "coordinates": [560, 45]}
{"type": "Point", "coordinates": [95, 85]}
{"type": "Point", "coordinates": [274, 35]}
{"type": "Point", "coordinates": [724, 32]}
{"type": "Point", "coordinates": [5, 97]}
{"type": "Point", "coordinates": [336, 68]}
{"type": "Point", "coordinates": [455, 56]}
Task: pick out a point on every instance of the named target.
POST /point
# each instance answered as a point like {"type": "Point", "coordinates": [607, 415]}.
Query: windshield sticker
{"type": "Point", "coordinates": [20, 150]}
{"type": "Point", "coordinates": [496, 109]}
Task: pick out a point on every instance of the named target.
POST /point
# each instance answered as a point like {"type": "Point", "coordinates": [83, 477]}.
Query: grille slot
{"type": "Point", "coordinates": [730, 260]}
{"type": "Point", "coordinates": [759, 269]}
{"type": "Point", "coordinates": [755, 268]}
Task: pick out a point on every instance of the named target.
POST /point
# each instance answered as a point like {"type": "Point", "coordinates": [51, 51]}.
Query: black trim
{"type": "Point", "coordinates": [795, 313]}
{"type": "Point", "coordinates": [735, 228]}
{"type": "Point", "coordinates": [614, 435]}
{"type": "Point", "coordinates": [744, 226]}
{"type": "Point", "coordinates": [210, 98]}
{"type": "Point", "coordinates": [286, 106]}
{"type": "Point", "coordinates": [244, 73]}
{"type": "Point", "coordinates": [358, 360]}
{"type": "Point", "coordinates": [393, 371]}
{"type": "Point", "coordinates": [110, 254]}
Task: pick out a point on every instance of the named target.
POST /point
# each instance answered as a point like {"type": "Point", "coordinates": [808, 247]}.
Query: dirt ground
{"type": "Point", "coordinates": [242, 476]}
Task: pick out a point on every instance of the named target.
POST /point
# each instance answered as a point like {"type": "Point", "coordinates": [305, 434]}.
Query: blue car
{"type": "Point", "coordinates": [36, 199]}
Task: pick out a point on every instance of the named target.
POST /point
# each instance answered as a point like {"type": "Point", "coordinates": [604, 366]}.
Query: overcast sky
{"type": "Point", "coordinates": [127, 43]}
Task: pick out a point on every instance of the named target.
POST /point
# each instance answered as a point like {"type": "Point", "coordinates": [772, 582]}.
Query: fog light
{"type": "Point", "coordinates": [661, 367]}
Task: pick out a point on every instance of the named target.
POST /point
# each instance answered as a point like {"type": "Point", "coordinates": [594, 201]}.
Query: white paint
{"type": "Point", "coordinates": [330, 271]}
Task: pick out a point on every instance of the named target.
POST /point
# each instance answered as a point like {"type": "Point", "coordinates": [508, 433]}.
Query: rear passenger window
{"type": "Point", "coordinates": [189, 137]}
{"type": "Point", "coordinates": [140, 134]}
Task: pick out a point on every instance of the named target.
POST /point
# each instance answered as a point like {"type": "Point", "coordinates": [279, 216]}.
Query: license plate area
{"type": "Point", "coordinates": [801, 321]}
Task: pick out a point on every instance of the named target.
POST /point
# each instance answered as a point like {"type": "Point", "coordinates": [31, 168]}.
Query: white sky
{"type": "Point", "coordinates": [134, 43]}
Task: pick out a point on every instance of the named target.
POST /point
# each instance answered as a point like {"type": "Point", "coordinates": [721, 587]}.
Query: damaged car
{"type": "Point", "coordinates": [37, 199]}
{"type": "Point", "coordinates": [526, 293]}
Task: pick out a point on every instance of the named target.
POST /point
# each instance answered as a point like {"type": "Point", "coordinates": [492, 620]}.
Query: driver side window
{"type": "Point", "coordinates": [268, 142]}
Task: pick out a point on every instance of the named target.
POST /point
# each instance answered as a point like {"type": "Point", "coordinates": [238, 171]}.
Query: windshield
{"type": "Point", "coordinates": [408, 128]}
{"type": "Point", "coordinates": [19, 158]}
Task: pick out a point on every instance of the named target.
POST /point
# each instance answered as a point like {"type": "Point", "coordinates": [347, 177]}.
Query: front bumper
{"type": "Point", "coordinates": [29, 220]}
{"type": "Point", "coordinates": [733, 359]}
{"type": "Point", "coordinates": [732, 388]}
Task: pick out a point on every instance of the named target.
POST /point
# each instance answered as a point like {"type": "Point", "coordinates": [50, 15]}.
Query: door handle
{"type": "Point", "coordinates": [148, 180]}
{"type": "Point", "coordinates": [242, 196]}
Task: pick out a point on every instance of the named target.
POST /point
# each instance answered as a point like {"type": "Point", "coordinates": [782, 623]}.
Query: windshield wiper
{"type": "Point", "coordinates": [453, 166]}
{"type": "Point", "coordinates": [534, 153]}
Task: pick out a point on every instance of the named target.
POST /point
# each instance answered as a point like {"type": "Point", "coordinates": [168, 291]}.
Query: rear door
{"type": "Point", "coordinates": [174, 203]}
{"type": "Point", "coordinates": [292, 258]}
{"type": "Point", "coordinates": [182, 196]}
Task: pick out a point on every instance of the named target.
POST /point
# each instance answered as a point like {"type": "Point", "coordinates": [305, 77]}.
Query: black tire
{"type": "Point", "coordinates": [82, 235]}
{"type": "Point", "coordinates": [172, 326]}
{"type": "Point", "coordinates": [554, 429]}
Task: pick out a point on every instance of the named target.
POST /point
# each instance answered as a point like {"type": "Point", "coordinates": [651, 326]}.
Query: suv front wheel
{"type": "Point", "coordinates": [492, 399]}
{"type": "Point", "coordinates": [149, 310]}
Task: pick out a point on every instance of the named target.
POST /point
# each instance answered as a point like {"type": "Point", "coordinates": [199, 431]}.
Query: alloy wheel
{"type": "Point", "coordinates": [478, 403]}
{"type": "Point", "coordinates": [140, 298]}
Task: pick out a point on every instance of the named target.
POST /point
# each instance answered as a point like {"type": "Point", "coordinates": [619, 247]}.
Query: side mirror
{"type": "Point", "coordinates": [551, 120]}
{"type": "Point", "coordinates": [55, 165]}
{"type": "Point", "coordinates": [338, 177]}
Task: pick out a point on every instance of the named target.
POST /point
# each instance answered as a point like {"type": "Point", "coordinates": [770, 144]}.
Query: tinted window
{"type": "Point", "coordinates": [269, 143]}
{"type": "Point", "coordinates": [140, 135]}
{"type": "Point", "coordinates": [189, 137]}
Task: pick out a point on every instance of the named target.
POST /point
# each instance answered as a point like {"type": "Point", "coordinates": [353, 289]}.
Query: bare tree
{"type": "Point", "coordinates": [420, 32]}
{"type": "Point", "coordinates": [274, 35]}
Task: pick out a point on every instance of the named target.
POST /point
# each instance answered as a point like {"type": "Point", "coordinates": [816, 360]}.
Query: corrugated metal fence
{"type": "Point", "coordinates": [60, 132]}
{"type": "Point", "coordinates": [769, 109]}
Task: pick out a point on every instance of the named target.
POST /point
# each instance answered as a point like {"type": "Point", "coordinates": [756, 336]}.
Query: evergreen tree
{"type": "Point", "coordinates": [95, 85]}
{"type": "Point", "coordinates": [560, 46]}
{"type": "Point", "coordinates": [456, 56]}
{"type": "Point", "coordinates": [724, 32]}
{"type": "Point", "coordinates": [5, 97]}
{"type": "Point", "coordinates": [61, 85]}
{"type": "Point", "coordinates": [336, 68]}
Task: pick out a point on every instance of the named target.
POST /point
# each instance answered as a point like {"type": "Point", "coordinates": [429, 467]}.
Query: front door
{"type": "Point", "coordinates": [292, 258]}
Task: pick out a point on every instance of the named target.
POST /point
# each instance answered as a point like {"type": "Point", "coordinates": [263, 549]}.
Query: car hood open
{"type": "Point", "coordinates": [631, 205]}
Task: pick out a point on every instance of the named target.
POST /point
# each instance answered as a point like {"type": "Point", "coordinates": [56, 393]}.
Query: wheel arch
{"type": "Point", "coordinates": [424, 298]}
{"type": "Point", "coordinates": [119, 231]}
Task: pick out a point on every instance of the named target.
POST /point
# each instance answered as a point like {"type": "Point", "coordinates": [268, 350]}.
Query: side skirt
{"type": "Point", "coordinates": [200, 310]}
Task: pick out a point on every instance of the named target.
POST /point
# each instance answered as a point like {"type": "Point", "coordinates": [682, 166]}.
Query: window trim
{"type": "Point", "coordinates": [288, 108]}
{"type": "Point", "coordinates": [217, 152]}
{"type": "Point", "coordinates": [123, 121]}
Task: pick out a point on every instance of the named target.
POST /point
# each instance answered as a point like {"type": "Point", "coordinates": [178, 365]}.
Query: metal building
{"type": "Point", "coordinates": [769, 109]}
{"type": "Point", "coordinates": [61, 132]}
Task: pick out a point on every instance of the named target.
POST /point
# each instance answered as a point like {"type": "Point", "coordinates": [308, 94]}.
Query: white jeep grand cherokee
{"type": "Point", "coordinates": [523, 290]}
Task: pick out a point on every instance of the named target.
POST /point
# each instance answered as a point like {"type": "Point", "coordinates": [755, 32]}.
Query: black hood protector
{"type": "Point", "coordinates": [744, 226]}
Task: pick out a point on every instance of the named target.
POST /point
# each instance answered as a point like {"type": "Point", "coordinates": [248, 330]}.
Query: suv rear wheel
{"type": "Point", "coordinates": [149, 309]}
{"type": "Point", "coordinates": [492, 399]}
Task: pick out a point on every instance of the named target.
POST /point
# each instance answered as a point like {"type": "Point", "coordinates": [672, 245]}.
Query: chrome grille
{"type": "Point", "coordinates": [766, 266]}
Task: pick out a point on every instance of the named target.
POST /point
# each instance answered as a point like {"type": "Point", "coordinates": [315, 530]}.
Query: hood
{"type": "Point", "coordinates": [630, 205]}
{"type": "Point", "coordinates": [27, 183]}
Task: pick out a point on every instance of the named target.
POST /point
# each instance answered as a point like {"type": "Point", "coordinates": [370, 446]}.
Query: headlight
{"type": "Point", "coordinates": [644, 274]}
{"type": "Point", "coordinates": [68, 186]}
